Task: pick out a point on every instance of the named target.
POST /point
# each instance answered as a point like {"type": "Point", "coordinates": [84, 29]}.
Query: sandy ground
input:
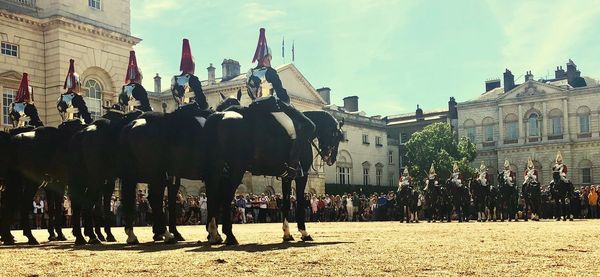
{"type": "Point", "coordinates": [340, 249]}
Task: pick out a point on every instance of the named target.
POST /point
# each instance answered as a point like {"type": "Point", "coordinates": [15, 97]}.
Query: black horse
{"type": "Point", "coordinates": [493, 203]}
{"type": "Point", "coordinates": [532, 194]}
{"type": "Point", "coordinates": [508, 198]}
{"type": "Point", "coordinates": [561, 193]}
{"type": "Point", "coordinates": [159, 149]}
{"type": "Point", "coordinates": [406, 203]}
{"type": "Point", "coordinates": [247, 140]}
{"type": "Point", "coordinates": [480, 194]}
{"type": "Point", "coordinates": [460, 198]}
{"type": "Point", "coordinates": [433, 201]}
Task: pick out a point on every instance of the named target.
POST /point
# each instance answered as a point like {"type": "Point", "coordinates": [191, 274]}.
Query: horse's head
{"type": "Point", "coordinates": [556, 176]}
{"type": "Point", "coordinates": [227, 102]}
{"type": "Point", "coordinates": [134, 96]}
{"type": "Point", "coordinates": [329, 134]}
{"type": "Point", "coordinates": [20, 112]}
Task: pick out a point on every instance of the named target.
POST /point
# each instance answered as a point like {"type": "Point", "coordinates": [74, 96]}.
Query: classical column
{"type": "Point", "coordinates": [566, 131]}
{"type": "Point", "coordinates": [521, 129]}
{"type": "Point", "coordinates": [544, 134]}
{"type": "Point", "coordinates": [500, 126]}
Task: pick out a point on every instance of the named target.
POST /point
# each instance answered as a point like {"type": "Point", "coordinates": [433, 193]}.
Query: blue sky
{"type": "Point", "coordinates": [392, 54]}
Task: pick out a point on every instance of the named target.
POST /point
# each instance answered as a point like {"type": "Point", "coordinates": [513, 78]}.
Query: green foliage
{"type": "Point", "coordinates": [436, 144]}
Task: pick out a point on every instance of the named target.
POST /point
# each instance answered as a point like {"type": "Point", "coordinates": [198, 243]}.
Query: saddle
{"type": "Point", "coordinates": [272, 105]}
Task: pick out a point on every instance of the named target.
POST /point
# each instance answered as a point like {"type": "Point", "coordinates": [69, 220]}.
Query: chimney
{"type": "Point", "coordinates": [492, 84]}
{"type": "Point", "coordinates": [351, 104]}
{"type": "Point", "coordinates": [211, 74]}
{"type": "Point", "coordinates": [572, 71]}
{"type": "Point", "coordinates": [528, 76]}
{"type": "Point", "coordinates": [325, 93]}
{"type": "Point", "coordinates": [157, 84]}
{"type": "Point", "coordinates": [231, 69]}
{"type": "Point", "coordinates": [452, 110]}
{"type": "Point", "coordinates": [419, 114]}
{"type": "Point", "coordinates": [509, 80]}
{"type": "Point", "coordinates": [560, 73]}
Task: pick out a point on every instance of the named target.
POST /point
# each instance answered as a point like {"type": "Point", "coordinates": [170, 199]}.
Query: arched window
{"type": "Point", "coordinates": [93, 97]}
{"type": "Point", "coordinates": [533, 125]}
{"type": "Point", "coordinates": [378, 174]}
{"type": "Point", "coordinates": [488, 129]}
{"type": "Point", "coordinates": [344, 168]}
{"type": "Point", "coordinates": [583, 114]}
{"type": "Point", "coordinates": [366, 168]}
{"type": "Point", "coordinates": [585, 167]}
{"type": "Point", "coordinates": [470, 130]}
{"type": "Point", "coordinates": [556, 129]}
{"type": "Point", "coordinates": [511, 125]}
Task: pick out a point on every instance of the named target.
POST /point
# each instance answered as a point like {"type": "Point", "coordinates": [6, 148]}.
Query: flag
{"type": "Point", "coordinates": [283, 48]}
{"type": "Point", "coordinates": [293, 53]}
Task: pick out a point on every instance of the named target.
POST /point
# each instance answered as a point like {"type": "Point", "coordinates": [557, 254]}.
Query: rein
{"type": "Point", "coordinates": [319, 153]}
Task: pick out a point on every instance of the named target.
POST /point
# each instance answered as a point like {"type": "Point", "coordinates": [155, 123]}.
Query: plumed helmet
{"type": "Point", "coordinates": [133, 75]}
{"type": "Point", "coordinates": [24, 94]}
{"type": "Point", "coordinates": [72, 80]}
{"type": "Point", "coordinates": [506, 165]}
{"type": "Point", "coordinates": [482, 167]}
{"type": "Point", "coordinates": [530, 163]}
{"type": "Point", "coordinates": [559, 158]}
{"type": "Point", "coordinates": [187, 64]}
{"type": "Point", "coordinates": [432, 170]}
{"type": "Point", "coordinates": [262, 49]}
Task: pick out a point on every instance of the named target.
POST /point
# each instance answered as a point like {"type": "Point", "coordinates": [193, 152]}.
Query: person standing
{"type": "Point", "coordinates": [68, 211]}
{"type": "Point", "coordinates": [38, 211]}
{"type": "Point", "coordinates": [349, 207]}
{"type": "Point", "coordinates": [593, 202]}
{"type": "Point", "coordinates": [203, 208]}
{"type": "Point", "coordinates": [241, 207]}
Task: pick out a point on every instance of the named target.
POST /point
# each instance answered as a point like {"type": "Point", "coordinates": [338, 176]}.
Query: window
{"type": "Point", "coordinates": [390, 157]}
{"type": "Point", "coordinates": [489, 133]}
{"type": "Point", "coordinates": [471, 134]}
{"type": "Point", "coordinates": [512, 131]}
{"type": "Point", "coordinates": [7, 99]}
{"type": "Point", "coordinates": [556, 126]}
{"type": "Point", "coordinates": [94, 4]}
{"type": "Point", "coordinates": [9, 49]}
{"type": "Point", "coordinates": [365, 176]}
{"type": "Point", "coordinates": [586, 175]}
{"type": "Point", "coordinates": [533, 125]}
{"type": "Point", "coordinates": [343, 175]}
{"type": "Point", "coordinates": [365, 139]}
{"type": "Point", "coordinates": [378, 173]}
{"type": "Point", "coordinates": [404, 138]}
{"type": "Point", "coordinates": [391, 180]}
{"type": "Point", "coordinates": [378, 141]}
{"type": "Point", "coordinates": [584, 123]}
{"type": "Point", "coordinates": [93, 98]}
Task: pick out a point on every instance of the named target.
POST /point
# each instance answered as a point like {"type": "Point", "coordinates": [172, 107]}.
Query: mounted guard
{"type": "Point", "coordinates": [23, 111]}
{"type": "Point", "coordinates": [484, 177]}
{"type": "Point", "coordinates": [187, 82]}
{"type": "Point", "coordinates": [71, 104]}
{"type": "Point", "coordinates": [509, 176]}
{"type": "Point", "coordinates": [133, 95]}
{"type": "Point", "coordinates": [561, 168]}
{"type": "Point", "coordinates": [405, 180]}
{"type": "Point", "coordinates": [267, 93]}
{"type": "Point", "coordinates": [456, 178]}
{"type": "Point", "coordinates": [531, 191]}
{"type": "Point", "coordinates": [432, 178]}
{"type": "Point", "coordinates": [531, 174]}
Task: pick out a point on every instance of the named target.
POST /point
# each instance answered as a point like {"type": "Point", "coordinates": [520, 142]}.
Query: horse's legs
{"type": "Point", "coordinates": [156, 190]}
{"type": "Point", "coordinates": [228, 194]}
{"type": "Point", "coordinates": [11, 193]}
{"type": "Point", "coordinates": [300, 208]}
{"type": "Point", "coordinates": [173, 190]}
{"type": "Point", "coordinates": [98, 215]}
{"type": "Point", "coordinates": [213, 183]}
{"type": "Point", "coordinates": [286, 187]}
{"type": "Point", "coordinates": [29, 190]}
{"type": "Point", "coordinates": [52, 215]}
{"type": "Point", "coordinates": [76, 194]}
{"type": "Point", "coordinates": [90, 200]}
{"type": "Point", "coordinates": [128, 202]}
{"type": "Point", "coordinates": [107, 192]}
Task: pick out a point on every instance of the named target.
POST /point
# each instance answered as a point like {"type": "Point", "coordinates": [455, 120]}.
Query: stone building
{"type": "Point", "coordinates": [367, 157]}
{"type": "Point", "coordinates": [401, 127]}
{"type": "Point", "coordinates": [537, 119]}
{"type": "Point", "coordinates": [303, 96]}
{"type": "Point", "coordinates": [39, 37]}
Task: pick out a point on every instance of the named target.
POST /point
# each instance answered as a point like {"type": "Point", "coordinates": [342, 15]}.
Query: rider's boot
{"type": "Point", "coordinates": [293, 168]}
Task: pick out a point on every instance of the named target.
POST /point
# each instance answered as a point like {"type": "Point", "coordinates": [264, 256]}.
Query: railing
{"type": "Point", "coordinates": [26, 3]}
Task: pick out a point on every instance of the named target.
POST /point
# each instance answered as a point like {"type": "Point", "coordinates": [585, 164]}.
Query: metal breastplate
{"type": "Point", "coordinates": [257, 84]}
{"type": "Point", "coordinates": [180, 86]}
{"type": "Point", "coordinates": [18, 109]}
{"type": "Point", "coordinates": [127, 92]}
{"type": "Point", "coordinates": [65, 106]}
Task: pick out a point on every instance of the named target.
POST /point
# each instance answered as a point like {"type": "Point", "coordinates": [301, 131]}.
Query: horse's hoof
{"type": "Point", "coordinates": [215, 241]}
{"type": "Point", "coordinates": [307, 238]}
{"type": "Point", "coordinates": [231, 240]}
{"type": "Point", "coordinates": [61, 238]}
{"type": "Point", "coordinates": [33, 241]}
{"type": "Point", "coordinates": [178, 236]}
{"type": "Point", "coordinates": [8, 241]}
{"type": "Point", "coordinates": [133, 242]}
{"type": "Point", "coordinates": [558, 219]}
{"type": "Point", "coordinates": [52, 238]}
{"type": "Point", "coordinates": [172, 240]}
{"type": "Point", "coordinates": [158, 238]}
{"type": "Point", "coordinates": [110, 238]}
{"type": "Point", "coordinates": [570, 219]}
{"type": "Point", "coordinates": [564, 219]}
{"type": "Point", "coordinates": [288, 238]}
{"type": "Point", "coordinates": [101, 237]}
{"type": "Point", "coordinates": [80, 241]}
{"type": "Point", "coordinates": [94, 241]}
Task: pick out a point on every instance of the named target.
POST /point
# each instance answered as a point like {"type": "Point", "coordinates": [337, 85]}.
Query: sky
{"type": "Point", "coordinates": [392, 54]}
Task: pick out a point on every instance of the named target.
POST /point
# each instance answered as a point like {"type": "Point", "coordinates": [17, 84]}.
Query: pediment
{"type": "Point", "coordinates": [532, 89]}
{"type": "Point", "coordinates": [10, 77]}
{"type": "Point", "coordinates": [297, 86]}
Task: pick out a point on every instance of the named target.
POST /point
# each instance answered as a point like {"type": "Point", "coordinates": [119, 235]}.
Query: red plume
{"type": "Point", "coordinates": [70, 80]}
{"type": "Point", "coordinates": [261, 47]}
{"type": "Point", "coordinates": [187, 60]}
{"type": "Point", "coordinates": [133, 72]}
{"type": "Point", "coordinates": [23, 94]}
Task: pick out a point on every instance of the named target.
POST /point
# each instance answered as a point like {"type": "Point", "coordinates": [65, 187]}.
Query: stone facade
{"type": "Point", "coordinates": [537, 119]}
{"type": "Point", "coordinates": [303, 96]}
{"type": "Point", "coordinates": [49, 33]}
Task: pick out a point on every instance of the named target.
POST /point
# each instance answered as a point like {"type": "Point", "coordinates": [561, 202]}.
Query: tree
{"type": "Point", "coordinates": [436, 144]}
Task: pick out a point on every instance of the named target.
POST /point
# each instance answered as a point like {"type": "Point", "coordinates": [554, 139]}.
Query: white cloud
{"type": "Point", "coordinates": [154, 9]}
{"type": "Point", "coordinates": [257, 13]}
{"type": "Point", "coordinates": [150, 63]}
